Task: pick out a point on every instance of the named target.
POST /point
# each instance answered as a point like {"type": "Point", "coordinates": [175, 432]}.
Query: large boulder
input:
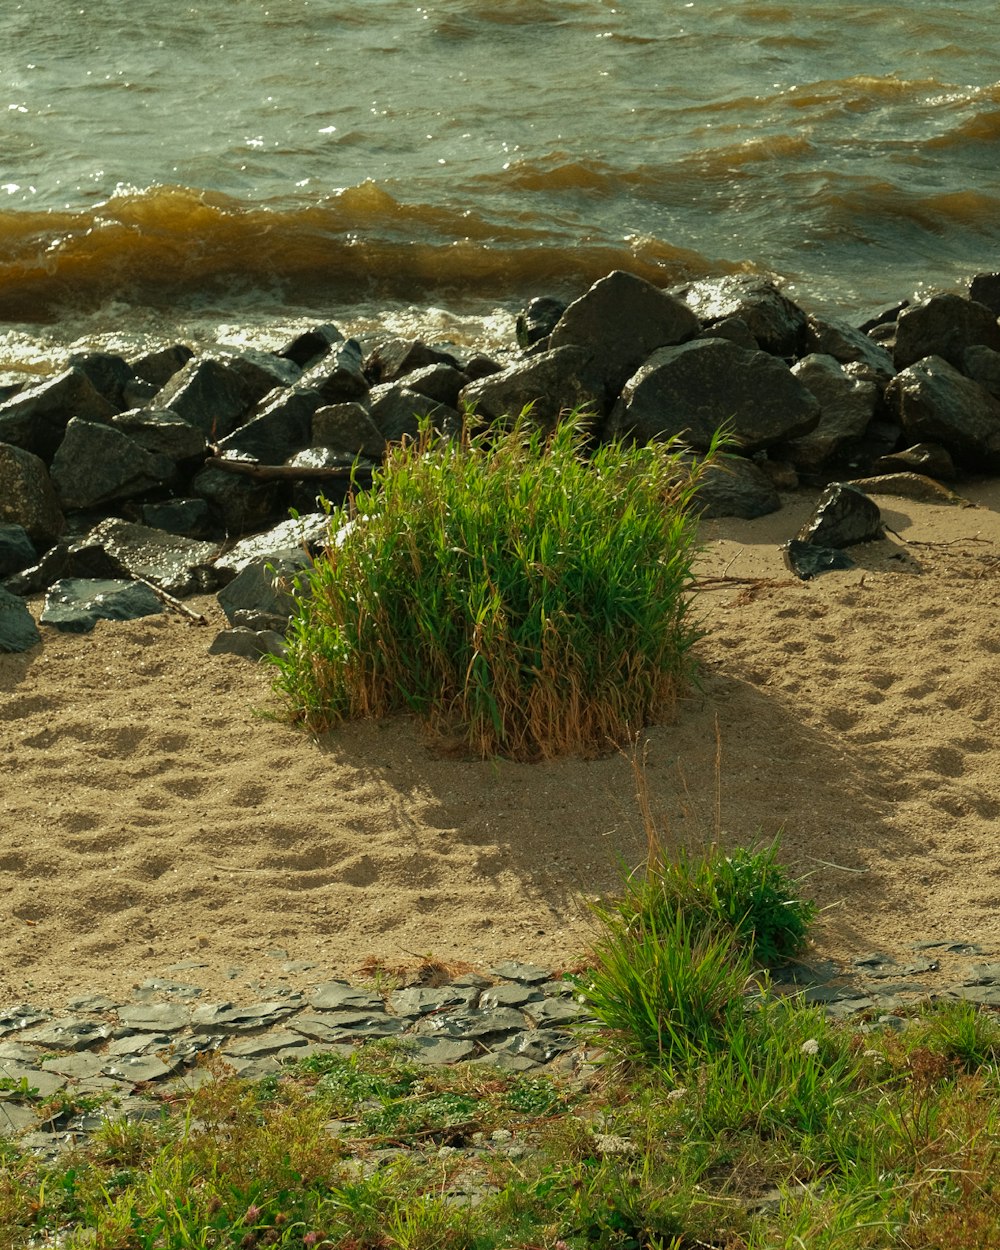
{"type": "Point", "coordinates": [283, 428]}
{"type": "Point", "coordinates": [564, 379]}
{"type": "Point", "coordinates": [121, 549]}
{"type": "Point", "coordinates": [162, 433]}
{"type": "Point", "coordinates": [109, 374]}
{"type": "Point", "coordinates": [944, 326]}
{"type": "Point", "coordinates": [96, 464]}
{"type": "Point", "coordinates": [393, 359]}
{"type": "Point", "coordinates": [349, 428]}
{"type": "Point", "coordinates": [846, 405]}
{"type": "Point", "coordinates": [735, 486]}
{"type": "Point", "coordinates": [847, 345]}
{"type": "Point", "coordinates": [339, 375]}
{"type": "Point", "coordinates": [982, 365]}
{"type": "Point", "coordinates": [158, 367]}
{"type": "Point", "coordinates": [209, 394]}
{"type": "Point", "coordinates": [239, 504]}
{"type": "Point", "coordinates": [775, 321]}
{"type": "Point", "coordinates": [937, 404]}
{"type": "Point", "coordinates": [695, 389]}
{"type": "Point", "coordinates": [36, 419]}
{"type": "Point", "coordinates": [311, 345]}
{"type": "Point", "coordinates": [27, 496]}
{"type": "Point", "coordinates": [985, 289]}
{"type": "Point", "coordinates": [396, 412]}
{"type": "Point", "coordinates": [621, 321]}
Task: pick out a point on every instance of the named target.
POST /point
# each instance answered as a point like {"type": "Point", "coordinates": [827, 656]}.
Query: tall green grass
{"type": "Point", "coordinates": [523, 592]}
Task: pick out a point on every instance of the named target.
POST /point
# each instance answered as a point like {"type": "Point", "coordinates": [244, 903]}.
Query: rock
{"type": "Point", "coordinates": [263, 372]}
{"type": "Point", "coordinates": [777, 324]}
{"type": "Point", "coordinates": [348, 427]}
{"type": "Point", "coordinates": [341, 996]}
{"type": "Point", "coordinates": [536, 322]}
{"type": "Point", "coordinates": [806, 560]}
{"type": "Point", "coordinates": [397, 412]}
{"type": "Point", "coordinates": [311, 345]}
{"type": "Point", "coordinates": [930, 459]}
{"type": "Point", "coordinates": [339, 377]}
{"type": "Point", "coordinates": [938, 404]}
{"type": "Point", "coordinates": [157, 368]}
{"type": "Point", "coordinates": [357, 474]}
{"type": "Point", "coordinates": [621, 321]}
{"type": "Point", "coordinates": [162, 433]}
{"type": "Point", "coordinates": [943, 326]}
{"type": "Point", "coordinates": [982, 365]}
{"type": "Point", "coordinates": [309, 533]}
{"type": "Point", "coordinates": [240, 504]}
{"type": "Point", "coordinates": [846, 406]}
{"type": "Point", "coordinates": [189, 517]}
{"type": "Point", "coordinates": [526, 974]}
{"type": "Point", "coordinates": [97, 464]}
{"type": "Point", "coordinates": [735, 486]}
{"type": "Point", "coordinates": [395, 358]}
{"type": "Point", "coordinates": [843, 516]}
{"type": "Point", "coordinates": [696, 388]}
{"type": "Point", "coordinates": [264, 585]}
{"type": "Point", "coordinates": [850, 346]}
{"type": "Point", "coordinates": [16, 549]}
{"type": "Point", "coordinates": [910, 486]}
{"type": "Point", "coordinates": [442, 383]}
{"type": "Point", "coordinates": [109, 374]}
{"type": "Point", "coordinates": [18, 631]}
{"type": "Point", "coordinates": [36, 419]}
{"type": "Point", "coordinates": [251, 644]}
{"type": "Point", "coordinates": [565, 379]}
{"type": "Point", "coordinates": [55, 563]}
{"type": "Point", "coordinates": [208, 394]}
{"type": "Point", "coordinates": [735, 329]}
{"type": "Point", "coordinates": [283, 428]}
{"type": "Point", "coordinates": [75, 605]}
{"type": "Point", "coordinates": [985, 289]}
{"type": "Point", "coordinates": [27, 497]}
{"type": "Point", "coordinates": [116, 548]}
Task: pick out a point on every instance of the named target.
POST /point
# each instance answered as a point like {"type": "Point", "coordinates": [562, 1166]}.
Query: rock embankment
{"type": "Point", "coordinates": [125, 484]}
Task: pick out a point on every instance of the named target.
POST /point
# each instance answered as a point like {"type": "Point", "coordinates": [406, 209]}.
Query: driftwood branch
{"type": "Point", "coordinates": [284, 472]}
{"type": "Point", "coordinates": [195, 618]}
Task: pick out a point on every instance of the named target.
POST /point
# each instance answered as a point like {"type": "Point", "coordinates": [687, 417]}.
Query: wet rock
{"type": "Point", "coordinates": [846, 406]}
{"type": "Point", "coordinates": [251, 644]}
{"type": "Point", "coordinates": [75, 605]}
{"type": "Point", "coordinates": [943, 326]}
{"type": "Point", "coordinates": [777, 324]}
{"type": "Point", "coordinates": [735, 329]}
{"type": "Point", "coordinates": [53, 565]}
{"type": "Point", "coordinates": [695, 389]}
{"type": "Point", "coordinates": [162, 433]}
{"type": "Point", "coordinates": [735, 486]}
{"type": "Point", "coordinates": [309, 532]}
{"type": "Point", "coordinates": [440, 382]}
{"type": "Point", "coordinates": [208, 394]}
{"type": "Point", "coordinates": [109, 374]}
{"type": "Point", "coordinates": [16, 549]}
{"type": "Point", "coordinates": [536, 322]}
{"type": "Point", "coordinates": [339, 377]}
{"type": "Point", "coordinates": [157, 368]}
{"type": "Point", "coordinates": [36, 419]}
{"type": "Point", "coordinates": [27, 497]}
{"type": "Point", "coordinates": [843, 516]}
{"type": "Point", "coordinates": [178, 565]}
{"type": "Point", "coordinates": [930, 459]}
{"type": "Point", "coordinates": [850, 346]}
{"type": "Point", "coordinates": [187, 517]}
{"type": "Point", "coordinates": [283, 428]}
{"type": "Point", "coordinates": [263, 372]}
{"type": "Point", "coordinates": [311, 345]}
{"type": "Point", "coordinates": [397, 413]}
{"type": "Point", "coordinates": [348, 427]}
{"type": "Point", "coordinates": [264, 586]}
{"type": "Point", "coordinates": [985, 289]}
{"type": "Point", "coordinates": [982, 365]}
{"type": "Point", "coordinates": [395, 358]}
{"type": "Point", "coordinates": [937, 404]}
{"type": "Point", "coordinates": [97, 464]}
{"type": "Point", "coordinates": [239, 504]}
{"type": "Point", "coordinates": [18, 631]}
{"type": "Point", "coordinates": [622, 320]}
{"type": "Point", "coordinates": [564, 379]}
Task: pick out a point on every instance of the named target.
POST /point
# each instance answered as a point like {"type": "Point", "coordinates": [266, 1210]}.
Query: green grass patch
{"type": "Point", "coordinates": [522, 592]}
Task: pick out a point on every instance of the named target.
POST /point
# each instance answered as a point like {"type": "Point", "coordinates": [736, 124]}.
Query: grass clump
{"type": "Point", "coordinates": [520, 591]}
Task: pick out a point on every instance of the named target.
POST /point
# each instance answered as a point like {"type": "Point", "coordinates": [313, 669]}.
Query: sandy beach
{"type": "Point", "coordinates": [153, 813]}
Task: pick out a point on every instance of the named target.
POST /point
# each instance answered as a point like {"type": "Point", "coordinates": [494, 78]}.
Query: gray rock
{"type": "Point", "coordinates": [735, 329]}
{"type": "Point", "coordinates": [421, 1000]}
{"type": "Point", "coordinates": [36, 419]}
{"type": "Point", "coordinates": [696, 388]}
{"type": "Point", "coordinates": [735, 486]}
{"type": "Point", "coordinates": [138, 1069]}
{"type": "Point", "coordinates": [846, 406]}
{"type": "Point", "coordinates": [311, 345]}
{"type": "Point", "coordinates": [68, 1033]}
{"type": "Point", "coordinates": [162, 433]}
{"type": "Point", "coordinates": [472, 1023]}
{"type": "Point", "coordinates": [438, 1050]}
{"type": "Point", "coordinates": [397, 412]}
{"type": "Point", "coordinates": [188, 517]}
{"type": "Point", "coordinates": [394, 358]}
{"type": "Point", "coordinates": [982, 365]}
{"type": "Point", "coordinates": [339, 376]}
{"type": "Point", "coordinates": [621, 321]}
{"type": "Point", "coordinates": [561, 380]}
{"type": "Point", "coordinates": [116, 548]}
{"type": "Point", "coordinates": [538, 1045]}
{"type": "Point", "coordinates": [777, 324]}
{"type": "Point", "coordinates": [350, 428]}
{"type": "Point", "coordinates": [263, 372]}
{"type": "Point", "coordinates": [250, 644]}
{"type": "Point", "coordinates": [74, 605]}
{"type": "Point", "coordinates": [985, 289]}
{"type": "Point", "coordinates": [930, 459]}
{"type": "Point", "coordinates": [20, 1016]}
{"type": "Point", "coordinates": [340, 996]}
{"type": "Point", "coordinates": [807, 560]}
{"type": "Point", "coordinates": [270, 1043]}
{"type": "Point", "coordinates": [154, 1017]}
{"type": "Point", "coordinates": [15, 1117]}
{"type": "Point", "coordinates": [937, 404]}
{"type": "Point", "coordinates": [54, 564]}
{"type": "Point", "coordinates": [526, 974]}
{"type": "Point", "coordinates": [850, 346]}
{"type": "Point", "coordinates": [45, 1080]}
{"type": "Point", "coordinates": [346, 1026]}
{"type": "Point", "coordinates": [442, 383]}
{"type": "Point", "coordinates": [109, 374]}
{"type": "Point", "coordinates": [536, 322]}
{"type": "Point", "coordinates": [241, 505]}
{"type": "Point", "coordinates": [27, 497]}
{"type": "Point", "coordinates": [16, 549]}
{"type": "Point", "coordinates": [18, 631]}
{"type": "Point", "coordinates": [283, 428]}
{"type": "Point", "coordinates": [843, 516]}
{"type": "Point", "coordinates": [96, 464]}
{"type": "Point", "coordinates": [309, 532]}
{"type": "Point", "coordinates": [157, 368]}
{"type": "Point", "coordinates": [224, 1017]}
{"type": "Point", "coordinates": [264, 586]}
{"type": "Point", "coordinates": [208, 394]}
{"type": "Point", "coordinates": [943, 326]}
{"type": "Point", "coordinates": [556, 1012]}
{"type": "Point", "coordinates": [510, 995]}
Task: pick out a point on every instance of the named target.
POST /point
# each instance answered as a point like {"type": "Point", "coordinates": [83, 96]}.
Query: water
{"type": "Point", "coordinates": [249, 165]}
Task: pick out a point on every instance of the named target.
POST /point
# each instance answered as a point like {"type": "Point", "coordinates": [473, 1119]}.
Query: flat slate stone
{"type": "Point", "coordinates": [81, 1066]}
{"type": "Point", "coordinates": [473, 1023]}
{"type": "Point", "coordinates": [538, 1045]}
{"type": "Point", "coordinates": [556, 1011]}
{"type": "Point", "coordinates": [420, 1000]}
{"type": "Point", "coordinates": [15, 1117]}
{"type": "Point", "coordinates": [339, 996]}
{"type": "Point", "coordinates": [508, 996]}
{"type": "Point", "coordinates": [92, 1002]}
{"type": "Point", "coordinates": [268, 1044]}
{"type": "Point", "coordinates": [46, 1082]}
{"type": "Point", "coordinates": [434, 1050]}
{"type": "Point", "coordinates": [69, 1033]}
{"type": "Point", "coordinates": [154, 1017]}
{"type": "Point", "coordinates": [75, 604]}
{"type": "Point", "coordinates": [527, 974]}
{"type": "Point", "coordinates": [138, 1069]}
{"type": "Point", "coordinates": [225, 1017]}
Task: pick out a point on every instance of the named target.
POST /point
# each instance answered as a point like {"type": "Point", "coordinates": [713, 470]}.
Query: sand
{"type": "Point", "coordinates": [152, 814]}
